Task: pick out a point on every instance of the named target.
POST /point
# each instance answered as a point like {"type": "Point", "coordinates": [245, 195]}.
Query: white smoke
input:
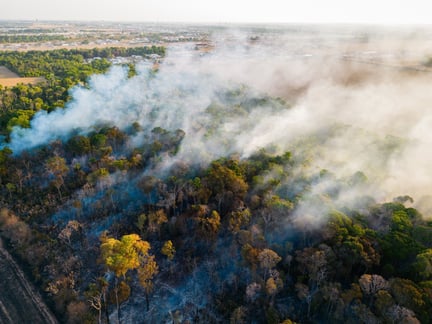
{"type": "Point", "coordinates": [354, 110]}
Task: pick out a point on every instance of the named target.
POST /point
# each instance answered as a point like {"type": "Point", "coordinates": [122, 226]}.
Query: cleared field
{"type": "Point", "coordinates": [6, 73]}
{"type": "Point", "coordinates": [11, 82]}
{"type": "Point", "coordinates": [10, 79]}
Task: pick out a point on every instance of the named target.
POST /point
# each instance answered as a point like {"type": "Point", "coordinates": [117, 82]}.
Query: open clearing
{"type": "Point", "coordinates": [10, 79]}
{"type": "Point", "coordinates": [11, 82]}
{"type": "Point", "coordinates": [6, 73]}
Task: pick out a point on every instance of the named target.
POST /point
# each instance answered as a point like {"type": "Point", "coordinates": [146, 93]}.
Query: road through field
{"type": "Point", "coordinates": [19, 301]}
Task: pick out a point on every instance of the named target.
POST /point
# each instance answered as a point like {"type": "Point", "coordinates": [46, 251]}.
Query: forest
{"type": "Point", "coordinates": [62, 69]}
{"type": "Point", "coordinates": [126, 222]}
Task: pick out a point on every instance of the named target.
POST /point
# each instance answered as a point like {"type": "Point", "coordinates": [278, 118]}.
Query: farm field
{"type": "Point", "coordinates": [5, 73]}
{"type": "Point", "coordinates": [11, 79]}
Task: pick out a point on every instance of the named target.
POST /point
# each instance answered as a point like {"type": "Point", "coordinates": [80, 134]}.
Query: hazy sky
{"type": "Point", "coordinates": [359, 11]}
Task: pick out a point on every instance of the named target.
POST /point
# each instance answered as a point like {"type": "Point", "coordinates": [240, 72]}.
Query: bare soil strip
{"type": "Point", "coordinates": [11, 82]}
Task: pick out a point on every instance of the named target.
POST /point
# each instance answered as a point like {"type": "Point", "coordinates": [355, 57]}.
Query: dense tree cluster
{"type": "Point", "coordinates": [62, 69]}
{"type": "Point", "coordinates": [106, 233]}
{"type": "Point", "coordinates": [153, 231]}
{"type": "Point", "coordinates": [71, 63]}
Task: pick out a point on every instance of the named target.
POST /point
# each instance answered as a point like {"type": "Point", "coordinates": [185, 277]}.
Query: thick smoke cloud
{"type": "Point", "coordinates": [344, 91]}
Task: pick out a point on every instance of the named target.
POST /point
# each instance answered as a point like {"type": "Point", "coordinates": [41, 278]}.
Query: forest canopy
{"type": "Point", "coordinates": [168, 209]}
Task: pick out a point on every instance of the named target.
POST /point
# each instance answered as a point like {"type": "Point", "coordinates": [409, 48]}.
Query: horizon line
{"type": "Point", "coordinates": [184, 22]}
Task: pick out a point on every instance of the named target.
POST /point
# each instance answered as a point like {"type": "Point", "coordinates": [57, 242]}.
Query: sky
{"type": "Point", "coordinates": [222, 11]}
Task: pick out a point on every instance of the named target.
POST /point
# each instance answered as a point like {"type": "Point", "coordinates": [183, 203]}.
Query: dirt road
{"type": "Point", "coordinates": [19, 301]}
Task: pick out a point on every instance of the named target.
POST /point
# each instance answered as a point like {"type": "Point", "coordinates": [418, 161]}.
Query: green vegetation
{"type": "Point", "coordinates": [62, 69]}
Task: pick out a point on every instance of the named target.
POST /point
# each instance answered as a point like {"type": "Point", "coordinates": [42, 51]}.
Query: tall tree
{"type": "Point", "coordinates": [56, 166]}
{"type": "Point", "coordinates": [128, 253]}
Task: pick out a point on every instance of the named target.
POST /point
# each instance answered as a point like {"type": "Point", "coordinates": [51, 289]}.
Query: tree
{"type": "Point", "coordinates": [227, 186]}
{"type": "Point", "coordinates": [250, 255]}
{"type": "Point", "coordinates": [252, 291]}
{"type": "Point", "coordinates": [14, 229]}
{"type": "Point", "coordinates": [272, 287]}
{"type": "Point", "coordinates": [238, 315]}
{"type": "Point", "coordinates": [314, 263]}
{"type": "Point", "coordinates": [100, 176]}
{"type": "Point", "coordinates": [305, 295]}
{"type": "Point", "coordinates": [96, 296]}
{"type": "Point", "coordinates": [146, 272]}
{"type": "Point", "coordinates": [423, 265]}
{"type": "Point", "coordinates": [56, 166]}
{"type": "Point", "coordinates": [400, 314]}
{"type": "Point", "coordinates": [168, 250]}
{"type": "Point", "coordinates": [79, 145]}
{"type": "Point", "coordinates": [123, 255]}
{"type": "Point", "coordinates": [156, 220]}
{"type": "Point", "coordinates": [72, 227]}
{"type": "Point", "coordinates": [128, 253]}
{"type": "Point", "coordinates": [372, 284]}
{"type": "Point", "coordinates": [407, 294]}
{"type": "Point", "coordinates": [5, 160]}
{"type": "Point", "coordinates": [383, 302]}
{"type": "Point", "coordinates": [147, 185]}
{"type": "Point", "coordinates": [209, 225]}
{"type": "Point", "coordinates": [238, 219]}
{"type": "Point", "coordinates": [268, 260]}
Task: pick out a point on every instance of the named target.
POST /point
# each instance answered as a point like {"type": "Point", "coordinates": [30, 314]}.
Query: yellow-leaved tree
{"type": "Point", "coordinates": [128, 253]}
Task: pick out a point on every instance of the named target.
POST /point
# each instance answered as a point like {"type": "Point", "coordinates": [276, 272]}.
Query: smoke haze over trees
{"type": "Point", "coordinates": [282, 175]}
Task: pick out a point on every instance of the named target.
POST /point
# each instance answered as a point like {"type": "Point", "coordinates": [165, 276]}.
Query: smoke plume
{"type": "Point", "coordinates": [350, 100]}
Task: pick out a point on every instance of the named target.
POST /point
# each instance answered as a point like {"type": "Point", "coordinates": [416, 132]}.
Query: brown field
{"type": "Point", "coordinates": [10, 79]}
{"type": "Point", "coordinates": [6, 73]}
{"type": "Point", "coordinates": [11, 82]}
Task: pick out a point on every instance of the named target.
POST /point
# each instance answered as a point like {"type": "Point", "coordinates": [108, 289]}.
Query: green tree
{"type": "Point", "coordinates": [227, 186]}
{"type": "Point", "coordinates": [5, 163]}
{"type": "Point", "coordinates": [407, 294]}
{"type": "Point", "coordinates": [123, 255]}
{"type": "Point", "coordinates": [79, 145]}
{"type": "Point", "coordinates": [423, 265]}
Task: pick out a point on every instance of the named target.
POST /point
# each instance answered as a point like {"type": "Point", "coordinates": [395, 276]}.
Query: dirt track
{"type": "Point", "coordinates": [19, 301]}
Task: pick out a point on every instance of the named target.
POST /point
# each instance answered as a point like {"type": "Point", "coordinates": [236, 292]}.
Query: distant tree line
{"type": "Point", "coordinates": [4, 39]}
{"type": "Point", "coordinates": [63, 63]}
